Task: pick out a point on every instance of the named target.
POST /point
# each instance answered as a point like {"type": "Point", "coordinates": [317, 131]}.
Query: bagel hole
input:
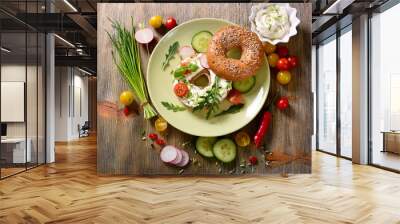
{"type": "Point", "coordinates": [202, 79]}
{"type": "Point", "coordinates": [234, 53]}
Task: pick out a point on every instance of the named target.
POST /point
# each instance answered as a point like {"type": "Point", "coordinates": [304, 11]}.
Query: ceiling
{"type": "Point", "coordinates": [76, 22]}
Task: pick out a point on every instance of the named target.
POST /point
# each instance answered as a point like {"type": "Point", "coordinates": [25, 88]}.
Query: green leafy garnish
{"type": "Point", "coordinates": [193, 67]}
{"type": "Point", "coordinates": [211, 100]}
{"type": "Point", "coordinates": [231, 110]}
{"type": "Point", "coordinates": [179, 73]}
{"type": "Point", "coordinates": [173, 107]}
{"type": "Point", "coordinates": [126, 57]}
{"type": "Point", "coordinates": [171, 52]}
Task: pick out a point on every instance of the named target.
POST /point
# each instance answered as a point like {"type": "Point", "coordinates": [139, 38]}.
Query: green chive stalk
{"type": "Point", "coordinates": [128, 65]}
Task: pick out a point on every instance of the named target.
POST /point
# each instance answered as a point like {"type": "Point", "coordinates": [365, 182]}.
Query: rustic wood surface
{"type": "Point", "coordinates": [121, 149]}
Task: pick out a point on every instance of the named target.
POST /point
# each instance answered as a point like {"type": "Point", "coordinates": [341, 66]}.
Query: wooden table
{"type": "Point", "coordinates": [121, 150]}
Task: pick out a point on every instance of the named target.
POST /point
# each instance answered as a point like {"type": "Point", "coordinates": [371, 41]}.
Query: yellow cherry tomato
{"type": "Point", "coordinates": [155, 21]}
{"type": "Point", "coordinates": [269, 48]}
{"type": "Point", "coordinates": [126, 98]}
{"type": "Point", "coordinates": [273, 59]}
{"type": "Point", "coordinates": [284, 77]}
{"type": "Point", "coordinates": [161, 124]}
{"type": "Point", "coordinates": [242, 139]}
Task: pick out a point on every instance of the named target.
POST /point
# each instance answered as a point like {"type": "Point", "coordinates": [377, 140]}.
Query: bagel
{"type": "Point", "coordinates": [235, 37]}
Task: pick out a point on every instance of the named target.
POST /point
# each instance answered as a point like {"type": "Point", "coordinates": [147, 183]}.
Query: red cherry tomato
{"type": "Point", "coordinates": [282, 51]}
{"type": "Point", "coordinates": [170, 23]}
{"type": "Point", "coordinates": [160, 142]}
{"type": "Point", "coordinates": [253, 160]}
{"type": "Point", "coordinates": [153, 136]}
{"type": "Point", "coordinates": [235, 97]}
{"type": "Point", "coordinates": [181, 89]}
{"type": "Point", "coordinates": [282, 103]}
{"type": "Point", "coordinates": [292, 61]}
{"type": "Point", "coordinates": [126, 111]}
{"type": "Point", "coordinates": [283, 64]}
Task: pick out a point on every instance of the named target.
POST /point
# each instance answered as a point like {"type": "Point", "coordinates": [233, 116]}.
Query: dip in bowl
{"type": "Point", "coordinates": [273, 22]}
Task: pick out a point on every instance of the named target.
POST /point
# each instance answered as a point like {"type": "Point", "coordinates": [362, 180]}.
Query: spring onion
{"type": "Point", "coordinates": [128, 65]}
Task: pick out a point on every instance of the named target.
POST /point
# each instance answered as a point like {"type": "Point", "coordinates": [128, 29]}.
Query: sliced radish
{"type": "Point", "coordinates": [203, 61]}
{"type": "Point", "coordinates": [169, 153]}
{"type": "Point", "coordinates": [178, 159]}
{"type": "Point", "coordinates": [184, 160]}
{"type": "Point", "coordinates": [144, 36]}
{"type": "Point", "coordinates": [186, 51]}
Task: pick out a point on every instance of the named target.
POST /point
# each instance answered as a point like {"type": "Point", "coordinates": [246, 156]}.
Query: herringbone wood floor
{"type": "Point", "coordinates": [69, 191]}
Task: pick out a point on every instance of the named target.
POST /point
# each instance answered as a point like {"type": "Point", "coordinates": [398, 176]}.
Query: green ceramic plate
{"type": "Point", "coordinates": [160, 87]}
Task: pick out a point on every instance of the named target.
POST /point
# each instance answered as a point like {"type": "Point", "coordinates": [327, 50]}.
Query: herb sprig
{"type": "Point", "coordinates": [210, 101]}
{"type": "Point", "coordinates": [170, 54]}
{"type": "Point", "coordinates": [173, 107]}
{"type": "Point", "coordinates": [126, 57]}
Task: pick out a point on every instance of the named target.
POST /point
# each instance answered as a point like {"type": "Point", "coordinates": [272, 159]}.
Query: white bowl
{"type": "Point", "coordinates": [294, 22]}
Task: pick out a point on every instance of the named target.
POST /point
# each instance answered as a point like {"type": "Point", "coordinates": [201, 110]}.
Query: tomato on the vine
{"type": "Point", "coordinates": [126, 111]}
{"type": "Point", "coordinates": [284, 77]}
{"type": "Point", "coordinates": [160, 142]}
{"type": "Point", "coordinates": [161, 124]}
{"type": "Point", "coordinates": [170, 23]}
{"type": "Point", "coordinates": [242, 139]}
{"type": "Point", "coordinates": [269, 48]}
{"type": "Point", "coordinates": [153, 136]}
{"type": "Point", "coordinates": [292, 61]}
{"type": "Point", "coordinates": [273, 59]}
{"type": "Point", "coordinates": [283, 64]}
{"type": "Point", "coordinates": [181, 89]}
{"type": "Point", "coordinates": [253, 160]}
{"type": "Point", "coordinates": [155, 21]}
{"type": "Point", "coordinates": [282, 51]}
{"type": "Point", "coordinates": [282, 103]}
{"type": "Point", "coordinates": [126, 98]}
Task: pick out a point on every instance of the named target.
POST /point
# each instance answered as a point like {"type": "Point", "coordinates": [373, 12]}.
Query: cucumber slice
{"type": "Point", "coordinates": [200, 41]}
{"type": "Point", "coordinates": [204, 146]}
{"type": "Point", "coordinates": [225, 150]}
{"type": "Point", "coordinates": [244, 85]}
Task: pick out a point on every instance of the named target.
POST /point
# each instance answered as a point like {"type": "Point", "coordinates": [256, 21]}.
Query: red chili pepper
{"type": "Point", "coordinates": [266, 120]}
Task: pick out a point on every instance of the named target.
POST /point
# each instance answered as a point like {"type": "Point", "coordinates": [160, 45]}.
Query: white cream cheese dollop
{"type": "Point", "coordinates": [272, 22]}
{"type": "Point", "coordinates": [196, 93]}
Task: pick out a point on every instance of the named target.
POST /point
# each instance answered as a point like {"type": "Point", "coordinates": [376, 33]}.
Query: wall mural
{"type": "Point", "coordinates": [204, 89]}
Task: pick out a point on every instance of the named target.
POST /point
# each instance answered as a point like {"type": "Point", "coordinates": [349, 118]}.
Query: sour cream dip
{"type": "Point", "coordinates": [272, 22]}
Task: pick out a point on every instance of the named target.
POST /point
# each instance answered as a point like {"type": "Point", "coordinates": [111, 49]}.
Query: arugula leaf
{"type": "Point", "coordinates": [173, 107]}
{"type": "Point", "coordinates": [179, 75]}
{"type": "Point", "coordinates": [171, 52]}
{"type": "Point", "coordinates": [231, 110]}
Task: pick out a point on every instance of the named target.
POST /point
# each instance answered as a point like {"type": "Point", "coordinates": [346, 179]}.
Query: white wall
{"type": "Point", "coordinates": [70, 83]}
{"type": "Point", "coordinates": [33, 127]}
{"type": "Point", "coordinates": [62, 82]}
{"type": "Point", "coordinates": [16, 73]}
